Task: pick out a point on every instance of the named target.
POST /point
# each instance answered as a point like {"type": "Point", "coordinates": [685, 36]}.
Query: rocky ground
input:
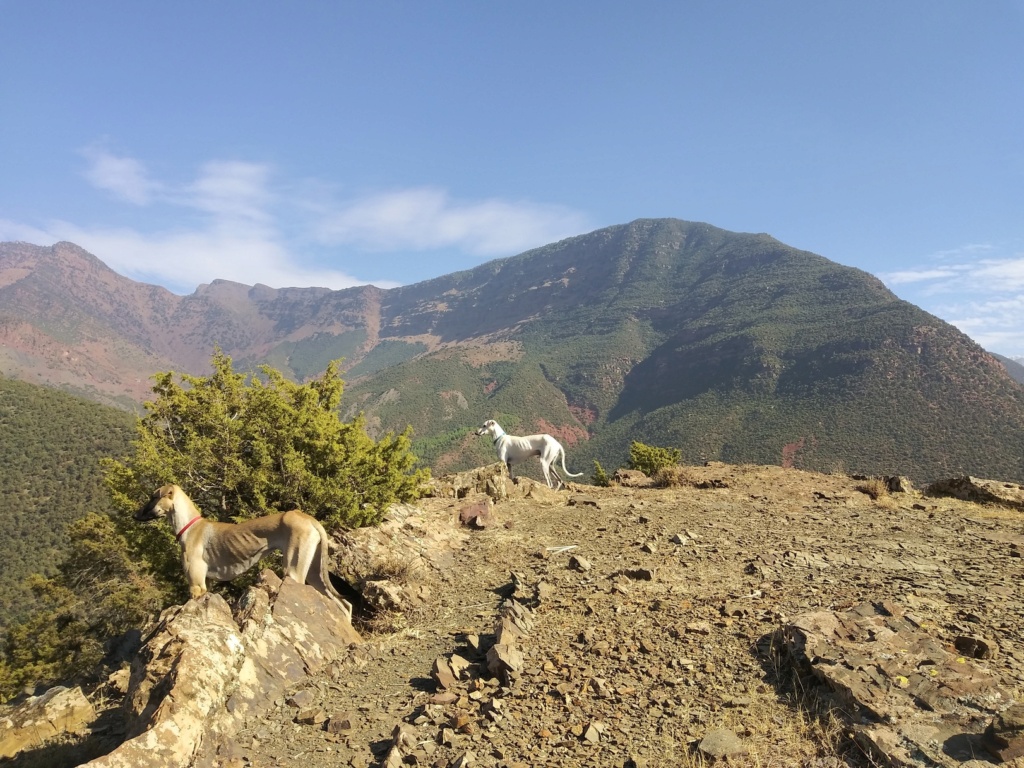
{"type": "Point", "coordinates": [643, 626]}
{"type": "Point", "coordinates": [650, 630]}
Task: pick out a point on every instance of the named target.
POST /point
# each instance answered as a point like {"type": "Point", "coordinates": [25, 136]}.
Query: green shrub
{"type": "Point", "coordinates": [240, 447]}
{"type": "Point", "coordinates": [649, 459]}
{"type": "Point", "coordinates": [600, 477]}
{"type": "Point", "coordinates": [244, 446]}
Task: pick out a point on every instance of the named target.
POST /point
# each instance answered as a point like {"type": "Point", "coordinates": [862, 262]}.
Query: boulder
{"type": "Point", "coordinates": [505, 661]}
{"type": "Point", "coordinates": [534, 490]}
{"type": "Point", "coordinates": [383, 595]}
{"type": "Point", "coordinates": [1004, 737]}
{"type": "Point", "coordinates": [721, 743]}
{"type": "Point", "coordinates": [632, 478]}
{"type": "Point", "coordinates": [203, 671]}
{"type": "Point", "coordinates": [479, 514]}
{"type": "Point", "coordinates": [41, 718]}
{"type": "Point", "coordinates": [913, 700]}
{"type": "Point", "coordinates": [980, 490]}
{"type": "Point", "coordinates": [492, 480]}
{"type": "Point", "coordinates": [515, 622]}
{"type": "Point", "coordinates": [898, 484]}
{"type": "Point", "coordinates": [403, 554]}
{"type": "Point", "coordinates": [444, 676]}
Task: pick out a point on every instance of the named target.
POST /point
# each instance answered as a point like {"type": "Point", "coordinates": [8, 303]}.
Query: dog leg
{"type": "Point", "coordinates": [195, 575]}
{"type": "Point", "coordinates": [298, 563]}
{"type": "Point", "coordinates": [547, 472]}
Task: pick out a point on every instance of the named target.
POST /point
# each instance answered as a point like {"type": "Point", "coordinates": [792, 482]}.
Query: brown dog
{"type": "Point", "coordinates": [221, 551]}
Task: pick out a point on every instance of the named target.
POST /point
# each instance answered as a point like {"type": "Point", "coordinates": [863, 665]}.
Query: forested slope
{"type": "Point", "coordinates": [50, 447]}
{"type": "Point", "coordinates": [728, 346]}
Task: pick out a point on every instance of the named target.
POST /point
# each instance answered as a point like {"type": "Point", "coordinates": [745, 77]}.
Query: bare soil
{"type": "Point", "coordinates": [654, 619]}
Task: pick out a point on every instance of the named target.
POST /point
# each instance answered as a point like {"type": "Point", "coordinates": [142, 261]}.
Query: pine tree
{"type": "Point", "coordinates": [240, 446]}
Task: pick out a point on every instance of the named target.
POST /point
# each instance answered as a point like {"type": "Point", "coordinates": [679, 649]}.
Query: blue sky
{"type": "Point", "coordinates": [335, 143]}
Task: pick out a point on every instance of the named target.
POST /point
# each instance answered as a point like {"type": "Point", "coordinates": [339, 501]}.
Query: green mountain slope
{"type": "Point", "coordinates": [1013, 367]}
{"type": "Point", "coordinates": [50, 447]}
{"type": "Point", "coordinates": [728, 346]}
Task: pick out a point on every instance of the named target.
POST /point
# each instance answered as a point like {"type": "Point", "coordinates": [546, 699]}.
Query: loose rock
{"type": "Point", "coordinates": [722, 742]}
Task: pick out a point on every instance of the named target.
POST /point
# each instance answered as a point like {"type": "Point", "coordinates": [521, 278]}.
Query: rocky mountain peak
{"type": "Point", "coordinates": [728, 345]}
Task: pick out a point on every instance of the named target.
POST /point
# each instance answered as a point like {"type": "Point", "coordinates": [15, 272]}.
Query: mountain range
{"type": "Point", "coordinates": [728, 346]}
{"type": "Point", "coordinates": [1014, 366]}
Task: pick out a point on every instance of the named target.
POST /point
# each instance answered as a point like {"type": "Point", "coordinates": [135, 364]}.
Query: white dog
{"type": "Point", "coordinates": [221, 551]}
{"type": "Point", "coordinates": [512, 449]}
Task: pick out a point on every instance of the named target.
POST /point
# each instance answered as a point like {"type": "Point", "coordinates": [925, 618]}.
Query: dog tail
{"type": "Point", "coordinates": [567, 472]}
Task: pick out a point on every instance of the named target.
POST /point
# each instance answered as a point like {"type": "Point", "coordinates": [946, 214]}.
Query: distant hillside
{"type": "Point", "coordinates": [1013, 366]}
{"type": "Point", "coordinates": [67, 320]}
{"type": "Point", "coordinates": [728, 346]}
{"type": "Point", "coordinates": [49, 475]}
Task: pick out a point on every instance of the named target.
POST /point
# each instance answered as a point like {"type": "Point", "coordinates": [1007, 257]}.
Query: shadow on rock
{"type": "Point", "coordinates": [906, 698]}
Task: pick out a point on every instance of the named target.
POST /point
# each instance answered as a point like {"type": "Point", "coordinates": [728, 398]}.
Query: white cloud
{"type": "Point", "coordinates": [252, 228]}
{"type": "Point", "coordinates": [915, 276]}
{"type": "Point", "coordinates": [995, 274]}
{"type": "Point", "coordinates": [183, 260]}
{"type": "Point", "coordinates": [969, 251]}
{"type": "Point", "coordinates": [982, 293]}
{"type": "Point", "coordinates": [1006, 275]}
{"type": "Point", "coordinates": [996, 324]}
{"type": "Point", "coordinates": [126, 177]}
{"type": "Point", "coordinates": [232, 191]}
{"type": "Point", "coordinates": [427, 218]}
{"type": "Point", "coordinates": [25, 233]}
{"type": "Point", "coordinates": [238, 238]}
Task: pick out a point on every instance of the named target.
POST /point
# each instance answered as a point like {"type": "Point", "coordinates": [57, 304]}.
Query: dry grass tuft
{"type": "Point", "coordinates": [875, 488]}
{"type": "Point", "coordinates": [887, 502]}
{"type": "Point", "coordinates": [1001, 512]}
{"type": "Point", "coordinates": [675, 476]}
{"type": "Point", "coordinates": [777, 733]}
{"type": "Point", "coordinates": [802, 724]}
{"type": "Point", "coordinates": [384, 623]}
{"type": "Point", "coordinates": [392, 568]}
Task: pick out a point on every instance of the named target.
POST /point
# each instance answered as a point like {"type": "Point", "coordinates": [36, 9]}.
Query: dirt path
{"type": "Point", "coordinates": [656, 627]}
